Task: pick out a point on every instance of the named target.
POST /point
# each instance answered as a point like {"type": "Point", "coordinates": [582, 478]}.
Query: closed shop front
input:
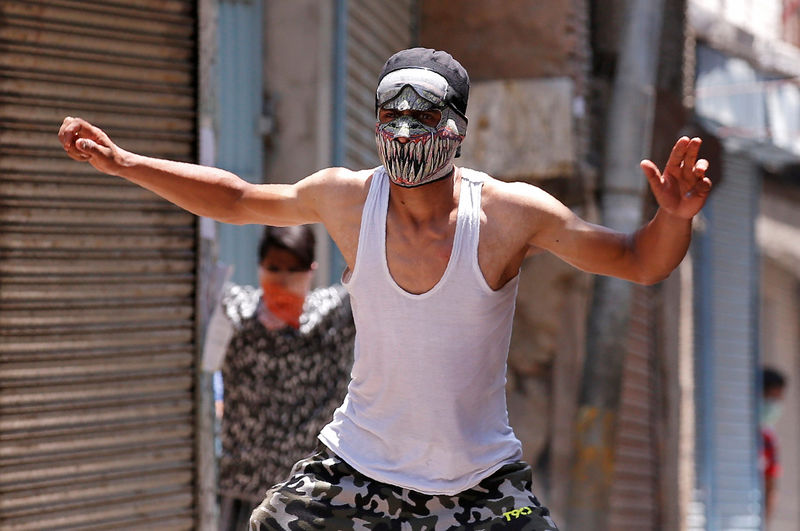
{"type": "Point", "coordinates": [726, 494]}
{"type": "Point", "coordinates": [97, 276]}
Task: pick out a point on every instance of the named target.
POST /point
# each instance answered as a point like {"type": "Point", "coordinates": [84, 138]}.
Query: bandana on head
{"type": "Point", "coordinates": [428, 153]}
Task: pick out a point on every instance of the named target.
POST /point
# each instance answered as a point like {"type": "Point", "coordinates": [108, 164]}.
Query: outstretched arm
{"type": "Point", "coordinates": [649, 254]}
{"type": "Point", "coordinates": [202, 190]}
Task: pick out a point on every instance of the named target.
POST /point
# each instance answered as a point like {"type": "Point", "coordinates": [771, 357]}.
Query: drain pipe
{"type": "Point", "coordinates": [628, 141]}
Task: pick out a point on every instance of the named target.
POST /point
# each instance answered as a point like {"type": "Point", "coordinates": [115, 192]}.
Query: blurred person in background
{"type": "Point", "coordinates": [773, 387]}
{"type": "Point", "coordinates": [285, 370]}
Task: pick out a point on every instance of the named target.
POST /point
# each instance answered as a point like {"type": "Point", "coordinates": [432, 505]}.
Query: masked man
{"type": "Point", "coordinates": [433, 253]}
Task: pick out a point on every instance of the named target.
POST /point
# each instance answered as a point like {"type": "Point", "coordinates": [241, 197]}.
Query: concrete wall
{"type": "Point", "coordinates": [297, 81]}
{"type": "Point", "coordinates": [503, 39]}
{"type": "Point", "coordinates": [522, 129]}
{"type": "Point", "coordinates": [298, 62]}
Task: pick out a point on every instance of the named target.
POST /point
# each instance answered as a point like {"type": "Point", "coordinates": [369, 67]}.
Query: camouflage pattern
{"type": "Point", "coordinates": [323, 492]}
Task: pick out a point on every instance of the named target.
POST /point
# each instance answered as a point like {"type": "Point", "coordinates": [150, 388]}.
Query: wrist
{"type": "Point", "coordinates": [673, 217]}
{"type": "Point", "coordinates": [125, 162]}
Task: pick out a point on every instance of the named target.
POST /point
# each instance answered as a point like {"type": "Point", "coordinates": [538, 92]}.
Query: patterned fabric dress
{"type": "Point", "coordinates": [281, 387]}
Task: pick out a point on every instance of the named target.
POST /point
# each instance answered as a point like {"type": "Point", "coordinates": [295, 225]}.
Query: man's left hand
{"type": "Point", "coordinates": [683, 188]}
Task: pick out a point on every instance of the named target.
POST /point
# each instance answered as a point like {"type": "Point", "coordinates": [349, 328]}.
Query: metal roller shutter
{"type": "Point", "coordinates": [727, 484]}
{"type": "Point", "coordinates": [376, 29]}
{"type": "Point", "coordinates": [97, 276]}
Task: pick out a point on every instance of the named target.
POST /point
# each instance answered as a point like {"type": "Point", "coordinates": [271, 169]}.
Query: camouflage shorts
{"type": "Point", "coordinates": [324, 492]}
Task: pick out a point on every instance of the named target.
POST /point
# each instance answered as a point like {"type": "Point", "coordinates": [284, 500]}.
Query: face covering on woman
{"type": "Point", "coordinates": [770, 411]}
{"type": "Point", "coordinates": [285, 293]}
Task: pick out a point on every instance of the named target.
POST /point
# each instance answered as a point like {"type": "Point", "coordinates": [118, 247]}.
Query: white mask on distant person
{"type": "Point", "coordinates": [771, 410]}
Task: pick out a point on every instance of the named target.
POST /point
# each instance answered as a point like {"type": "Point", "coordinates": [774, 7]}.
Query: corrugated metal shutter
{"type": "Point", "coordinates": [727, 494]}
{"type": "Point", "coordinates": [634, 500]}
{"type": "Point", "coordinates": [376, 29]}
{"type": "Point", "coordinates": [97, 276]}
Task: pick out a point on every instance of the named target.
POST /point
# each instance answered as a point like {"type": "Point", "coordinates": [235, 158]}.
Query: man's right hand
{"type": "Point", "coordinates": [84, 142]}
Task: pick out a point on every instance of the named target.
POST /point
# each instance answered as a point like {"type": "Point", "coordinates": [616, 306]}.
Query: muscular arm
{"type": "Point", "coordinates": [202, 190]}
{"type": "Point", "coordinates": [645, 256]}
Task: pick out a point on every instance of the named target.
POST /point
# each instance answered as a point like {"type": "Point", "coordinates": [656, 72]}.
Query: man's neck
{"type": "Point", "coordinates": [421, 205]}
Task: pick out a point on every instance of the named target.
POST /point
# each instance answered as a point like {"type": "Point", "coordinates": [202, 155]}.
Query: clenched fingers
{"type": "Point", "coordinates": [74, 130]}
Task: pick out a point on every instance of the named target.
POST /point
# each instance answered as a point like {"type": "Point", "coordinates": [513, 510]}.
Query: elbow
{"type": "Point", "coordinates": [232, 210]}
{"type": "Point", "coordinates": [230, 220]}
{"type": "Point", "coordinates": [232, 217]}
{"type": "Point", "coordinates": [650, 279]}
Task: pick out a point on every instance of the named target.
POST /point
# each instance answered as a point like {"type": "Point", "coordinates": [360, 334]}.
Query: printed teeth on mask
{"type": "Point", "coordinates": [410, 159]}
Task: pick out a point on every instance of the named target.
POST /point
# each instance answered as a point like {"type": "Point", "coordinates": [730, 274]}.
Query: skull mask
{"type": "Point", "coordinates": [428, 151]}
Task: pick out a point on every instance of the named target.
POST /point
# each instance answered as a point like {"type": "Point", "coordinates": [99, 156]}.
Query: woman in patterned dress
{"type": "Point", "coordinates": [285, 370]}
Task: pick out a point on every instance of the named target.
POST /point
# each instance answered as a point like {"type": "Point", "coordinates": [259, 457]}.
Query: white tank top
{"type": "Point", "coordinates": [426, 406]}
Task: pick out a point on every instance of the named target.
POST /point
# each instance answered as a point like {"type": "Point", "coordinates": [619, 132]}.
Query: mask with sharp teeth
{"type": "Point", "coordinates": [428, 152]}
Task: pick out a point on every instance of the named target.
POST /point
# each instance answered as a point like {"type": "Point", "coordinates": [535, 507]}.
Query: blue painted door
{"type": "Point", "coordinates": [239, 141]}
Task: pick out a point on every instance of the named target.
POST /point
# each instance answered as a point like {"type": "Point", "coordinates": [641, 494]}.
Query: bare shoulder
{"type": "Point", "coordinates": [337, 196]}
{"type": "Point", "coordinates": [343, 176]}
{"type": "Point", "coordinates": [512, 214]}
{"type": "Point", "coordinates": [353, 182]}
{"type": "Point", "coordinates": [518, 200]}
{"type": "Point", "coordinates": [523, 215]}
{"type": "Point", "coordinates": [339, 183]}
